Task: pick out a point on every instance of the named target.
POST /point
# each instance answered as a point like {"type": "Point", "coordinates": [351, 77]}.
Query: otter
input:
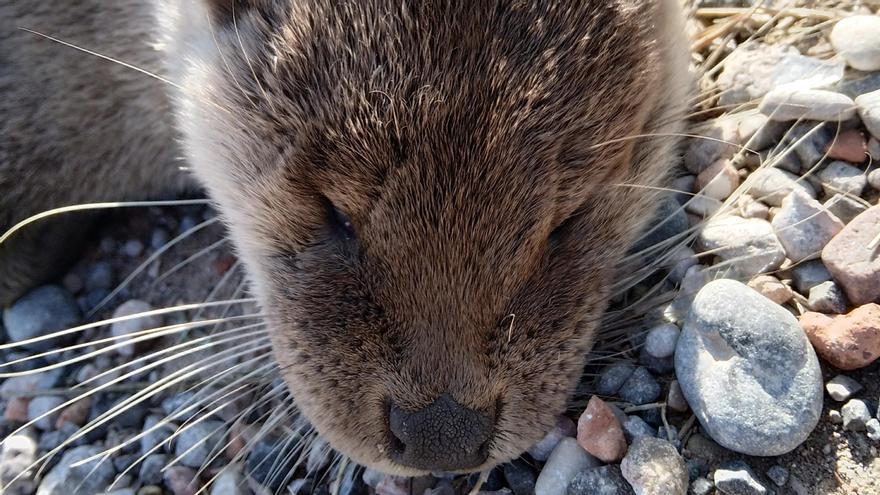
{"type": "Point", "coordinates": [429, 197]}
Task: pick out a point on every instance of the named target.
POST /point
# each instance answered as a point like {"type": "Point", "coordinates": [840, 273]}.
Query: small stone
{"type": "Point", "coordinates": [151, 469]}
{"type": "Point", "coordinates": [16, 410]}
{"type": "Point", "coordinates": [133, 248]}
{"type": "Point", "coordinates": [182, 480]}
{"type": "Point", "coordinates": [841, 177]}
{"type": "Point", "coordinates": [198, 441]}
{"type": "Point", "coordinates": [675, 399]}
{"type": "Point", "coordinates": [683, 187]}
{"type": "Point", "coordinates": [656, 365]}
{"type": "Point", "coordinates": [99, 277]}
{"type": "Point", "coordinates": [51, 440]}
{"type": "Point", "coordinates": [565, 428]}
{"type": "Point", "coordinates": [76, 413]}
{"type": "Point", "coordinates": [845, 207]}
{"type": "Point", "coordinates": [827, 297]}
{"type": "Point", "coordinates": [749, 207]}
{"type": "Point", "coordinates": [716, 183]}
{"type": "Point", "coordinates": [177, 407]}
{"type": "Point", "coordinates": [670, 434]}
{"type": "Point", "coordinates": [772, 185]}
{"type": "Point", "coordinates": [653, 467]}
{"type": "Point", "coordinates": [85, 479]}
{"type": "Point", "coordinates": [660, 341]}
{"type": "Point", "coordinates": [155, 435]}
{"type": "Point", "coordinates": [269, 457]}
{"type": "Point", "coordinates": [123, 328]}
{"type": "Point", "coordinates": [520, 477]}
{"type": "Point", "coordinates": [229, 482]}
{"type": "Point", "coordinates": [857, 40]}
{"type": "Point", "coordinates": [612, 377]}
{"type": "Point", "coordinates": [40, 411]}
{"type": "Point", "coordinates": [701, 486]}
{"type": "Point", "coordinates": [803, 226]}
{"type": "Point", "coordinates": [856, 415]}
{"type": "Point", "coordinates": [834, 417]}
{"type": "Point", "coordinates": [749, 246]}
{"type": "Point", "coordinates": [850, 146]}
{"type": "Point", "coordinates": [807, 275]}
{"type": "Point", "coordinates": [755, 68]}
{"type": "Point", "coordinates": [42, 311]}
{"type": "Point", "coordinates": [874, 177]}
{"type": "Point", "coordinates": [778, 475]}
{"type": "Point", "coordinates": [747, 371]}
{"type": "Point", "coordinates": [599, 432]}
{"type": "Point", "coordinates": [794, 103]}
{"type": "Point", "coordinates": [18, 454]}
{"type": "Point", "coordinates": [679, 262]}
{"type": "Point", "coordinates": [842, 387]}
{"type": "Point", "coordinates": [849, 341]}
{"type": "Point", "coordinates": [640, 388]}
{"type": "Point", "coordinates": [737, 478]}
{"type": "Point", "coordinates": [604, 480]}
{"type": "Point", "coordinates": [869, 111]}
{"type": "Point", "coordinates": [852, 261]}
{"type": "Point", "coordinates": [567, 460]}
{"type": "Point", "coordinates": [873, 429]}
{"type": "Point", "coordinates": [635, 427]}
{"type": "Point", "coordinates": [158, 238]}
{"type": "Point", "coordinates": [771, 288]}
{"type": "Point", "coordinates": [718, 141]}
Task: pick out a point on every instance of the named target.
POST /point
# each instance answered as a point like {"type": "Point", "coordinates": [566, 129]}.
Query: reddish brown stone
{"type": "Point", "coordinates": [600, 433]}
{"type": "Point", "coordinates": [849, 146]}
{"type": "Point", "coordinates": [76, 413]}
{"type": "Point", "coordinates": [849, 341]}
{"type": "Point", "coordinates": [852, 260]}
{"type": "Point", "coordinates": [16, 410]}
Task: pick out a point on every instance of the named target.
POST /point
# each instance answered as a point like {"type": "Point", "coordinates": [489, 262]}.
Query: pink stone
{"type": "Point", "coordinates": [600, 433]}
{"type": "Point", "coordinates": [850, 146]}
{"type": "Point", "coordinates": [852, 260]}
{"type": "Point", "coordinates": [849, 341]}
{"type": "Point", "coordinates": [76, 413]}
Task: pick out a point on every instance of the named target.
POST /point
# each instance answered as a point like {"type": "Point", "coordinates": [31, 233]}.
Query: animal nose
{"type": "Point", "coordinates": [444, 436]}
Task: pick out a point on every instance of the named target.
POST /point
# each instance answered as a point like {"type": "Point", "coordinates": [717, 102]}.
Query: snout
{"type": "Point", "coordinates": [444, 436]}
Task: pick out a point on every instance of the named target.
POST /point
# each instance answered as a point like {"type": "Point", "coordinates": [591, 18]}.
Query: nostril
{"type": "Point", "coordinates": [444, 436]}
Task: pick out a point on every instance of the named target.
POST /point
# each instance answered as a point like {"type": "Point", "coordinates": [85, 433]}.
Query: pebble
{"type": "Point", "coordinates": [803, 226]}
{"type": "Point", "coordinates": [126, 327]}
{"type": "Point", "coordinates": [229, 482]}
{"type": "Point", "coordinates": [269, 457]}
{"type": "Point", "coordinates": [873, 429]}
{"type": "Point", "coordinates": [320, 454]}
{"type": "Point", "coordinates": [795, 103]}
{"type": "Point", "coordinates": [857, 40]}
{"type": "Point", "coordinates": [640, 388]}
{"type": "Point", "coordinates": [749, 245]}
{"type": "Point", "coordinates": [564, 428]}
{"type": "Point", "coordinates": [852, 262]}
{"type": "Point", "coordinates": [133, 248]}
{"type": "Point", "coordinates": [612, 377]}
{"type": "Point", "coordinates": [874, 178]}
{"type": "Point", "coordinates": [50, 440]}
{"type": "Point", "coordinates": [154, 436]}
{"type": "Point", "coordinates": [150, 471]}
{"type": "Point", "coordinates": [675, 399]}
{"type": "Point", "coordinates": [772, 185]}
{"type": "Point", "coordinates": [18, 453]}
{"type": "Point", "coordinates": [158, 238]}
{"type": "Point", "coordinates": [634, 427]}
{"type": "Point", "coordinates": [771, 288]}
{"type": "Point", "coordinates": [737, 478]}
{"type": "Point", "coordinates": [834, 417]}
{"type": "Point", "coordinates": [850, 146]}
{"type": "Point", "coordinates": [856, 415]}
{"type": "Point", "coordinates": [75, 414]}
{"type": "Point", "coordinates": [658, 366]}
{"type": "Point", "coordinates": [847, 342]}
{"type": "Point", "coordinates": [842, 387]}
{"type": "Point", "coordinates": [702, 486]}
{"type": "Point", "coordinates": [679, 262]}
{"type": "Point", "coordinates": [39, 411]}
{"type": "Point", "coordinates": [869, 111]}
{"type": "Point", "coordinates": [182, 480]}
{"type": "Point", "coordinates": [827, 297]}
{"type": "Point", "coordinates": [567, 460]}
{"type": "Point", "coordinates": [42, 311]}
{"type": "Point", "coordinates": [653, 467]}
{"type": "Point", "coordinates": [747, 371]}
{"type": "Point", "coordinates": [86, 479]}
{"type": "Point", "coordinates": [200, 440]}
{"type": "Point", "coordinates": [749, 207]}
{"type": "Point", "coordinates": [755, 68]}
{"type": "Point", "coordinates": [604, 480]}
{"type": "Point", "coordinates": [858, 83]}
{"type": "Point", "coordinates": [845, 207]}
{"type": "Point", "coordinates": [807, 275]}
{"type": "Point", "coordinates": [841, 177]}
{"type": "Point", "coordinates": [722, 144]}
{"type": "Point", "coordinates": [177, 406]}
{"type": "Point", "coordinates": [600, 433]}
{"type": "Point", "coordinates": [99, 276]}
{"type": "Point", "coordinates": [715, 184]}
{"type": "Point", "coordinates": [660, 341]}
{"type": "Point", "coordinates": [520, 477]}
{"type": "Point", "coordinates": [778, 475]}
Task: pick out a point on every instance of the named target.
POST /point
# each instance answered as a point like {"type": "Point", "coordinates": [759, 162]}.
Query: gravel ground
{"type": "Point", "coordinates": [721, 368]}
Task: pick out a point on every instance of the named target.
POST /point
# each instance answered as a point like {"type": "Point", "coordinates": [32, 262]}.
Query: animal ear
{"type": "Point", "coordinates": [226, 11]}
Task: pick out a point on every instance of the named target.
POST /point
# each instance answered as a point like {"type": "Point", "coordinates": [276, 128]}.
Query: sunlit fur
{"type": "Point", "coordinates": [475, 147]}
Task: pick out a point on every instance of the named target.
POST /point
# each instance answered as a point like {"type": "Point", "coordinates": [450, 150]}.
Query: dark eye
{"type": "Point", "coordinates": [340, 222]}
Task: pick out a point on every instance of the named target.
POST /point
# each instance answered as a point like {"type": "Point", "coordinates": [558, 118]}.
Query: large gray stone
{"type": "Point", "coordinates": [748, 246]}
{"type": "Point", "coordinates": [748, 371]}
{"type": "Point", "coordinates": [42, 311]}
{"type": "Point", "coordinates": [653, 467]}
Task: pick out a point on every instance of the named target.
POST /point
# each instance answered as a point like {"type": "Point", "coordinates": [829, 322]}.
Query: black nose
{"type": "Point", "coordinates": [445, 436]}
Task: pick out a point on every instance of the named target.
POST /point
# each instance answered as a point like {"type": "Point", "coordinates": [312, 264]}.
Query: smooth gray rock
{"type": "Point", "coordinates": [567, 460]}
{"type": "Point", "coordinates": [808, 275]}
{"type": "Point", "coordinates": [856, 415]}
{"type": "Point", "coordinates": [841, 177]}
{"type": "Point", "coordinates": [748, 371]}
{"type": "Point", "coordinates": [737, 478]}
{"type": "Point", "coordinates": [150, 471]}
{"type": "Point", "coordinates": [634, 427]}
{"type": "Point", "coordinates": [198, 442]}
{"type": "Point", "coordinates": [653, 467]}
{"type": "Point", "coordinates": [778, 475]}
{"type": "Point", "coordinates": [42, 311]}
{"type": "Point", "coordinates": [869, 111]}
{"type": "Point", "coordinates": [844, 207]}
{"type": "Point", "coordinates": [660, 340]}
{"type": "Point", "coordinates": [794, 103]}
{"type": "Point", "coordinates": [827, 297]}
{"type": "Point", "coordinates": [640, 388]}
{"type": "Point", "coordinates": [842, 388]}
{"type": "Point", "coordinates": [772, 185]}
{"type": "Point", "coordinates": [612, 377]}
{"type": "Point", "coordinates": [803, 226]}
{"type": "Point", "coordinates": [747, 246]}
{"type": "Point", "coordinates": [156, 434]}
{"type": "Point", "coordinates": [86, 479]}
{"type": "Point", "coordinates": [857, 39]}
{"type": "Point", "coordinates": [604, 480]}
{"type": "Point", "coordinates": [39, 411]}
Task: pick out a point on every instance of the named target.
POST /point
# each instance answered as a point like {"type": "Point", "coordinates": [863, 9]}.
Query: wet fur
{"type": "Point", "coordinates": [475, 147]}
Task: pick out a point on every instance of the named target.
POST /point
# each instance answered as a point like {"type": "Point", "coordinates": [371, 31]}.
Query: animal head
{"type": "Point", "coordinates": [424, 196]}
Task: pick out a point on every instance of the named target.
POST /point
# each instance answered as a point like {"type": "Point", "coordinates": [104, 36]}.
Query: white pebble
{"type": "Point", "coordinates": [857, 40]}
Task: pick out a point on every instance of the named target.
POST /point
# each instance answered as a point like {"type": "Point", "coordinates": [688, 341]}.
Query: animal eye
{"type": "Point", "coordinates": [340, 222]}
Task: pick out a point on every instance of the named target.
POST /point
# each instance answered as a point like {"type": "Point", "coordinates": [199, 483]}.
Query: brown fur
{"type": "Point", "coordinates": [472, 145]}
